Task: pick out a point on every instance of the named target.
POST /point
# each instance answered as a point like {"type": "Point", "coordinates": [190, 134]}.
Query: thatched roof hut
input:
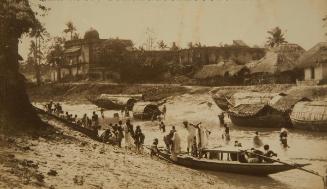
{"type": "Point", "coordinates": [220, 70]}
{"type": "Point", "coordinates": [146, 110]}
{"type": "Point", "coordinates": [280, 59]}
{"type": "Point", "coordinates": [314, 56]}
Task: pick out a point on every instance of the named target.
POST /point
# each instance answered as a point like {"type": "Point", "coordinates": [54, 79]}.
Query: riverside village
{"type": "Point", "coordinates": [163, 94]}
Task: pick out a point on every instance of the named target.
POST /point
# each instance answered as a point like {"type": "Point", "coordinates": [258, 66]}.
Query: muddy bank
{"type": "Point", "coordinates": [77, 92]}
{"type": "Point", "coordinates": [71, 160]}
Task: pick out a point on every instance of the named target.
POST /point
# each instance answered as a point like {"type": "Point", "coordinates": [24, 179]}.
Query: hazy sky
{"type": "Point", "coordinates": [208, 22]}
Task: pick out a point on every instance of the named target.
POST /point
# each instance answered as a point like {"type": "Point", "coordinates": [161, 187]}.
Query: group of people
{"type": "Point", "coordinates": [114, 134]}
{"type": "Point", "coordinates": [55, 108]}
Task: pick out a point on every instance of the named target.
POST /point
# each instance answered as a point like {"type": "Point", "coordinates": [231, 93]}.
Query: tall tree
{"type": "Point", "coordinates": [325, 24]}
{"type": "Point", "coordinates": [35, 55]}
{"type": "Point", "coordinates": [70, 29]}
{"type": "Point", "coordinates": [162, 45]}
{"type": "Point", "coordinates": [16, 18]}
{"type": "Point", "coordinates": [276, 37]}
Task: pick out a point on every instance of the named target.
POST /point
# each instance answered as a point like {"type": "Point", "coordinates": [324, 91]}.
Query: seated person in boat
{"type": "Point", "coordinates": [255, 156]}
{"type": "Point", "coordinates": [237, 144]}
{"type": "Point", "coordinates": [154, 148]}
{"type": "Point", "coordinates": [268, 153]}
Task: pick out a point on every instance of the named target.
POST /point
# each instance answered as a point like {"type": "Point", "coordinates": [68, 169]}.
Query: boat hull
{"type": "Point", "coordinates": [259, 121]}
{"type": "Point", "coordinates": [257, 169]}
{"type": "Point", "coordinates": [309, 125]}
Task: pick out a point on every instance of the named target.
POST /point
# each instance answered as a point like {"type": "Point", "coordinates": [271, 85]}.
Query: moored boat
{"type": "Point", "coordinates": [256, 115]}
{"type": "Point", "coordinates": [146, 111]}
{"type": "Point", "coordinates": [225, 160]}
{"type": "Point", "coordinates": [115, 102]}
{"type": "Point", "coordinates": [310, 115]}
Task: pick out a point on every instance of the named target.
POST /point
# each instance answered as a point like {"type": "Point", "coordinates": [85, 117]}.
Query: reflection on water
{"type": "Point", "coordinates": [305, 147]}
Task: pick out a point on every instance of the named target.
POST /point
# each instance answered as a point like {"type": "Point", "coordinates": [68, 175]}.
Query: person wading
{"type": "Point", "coordinates": [257, 142]}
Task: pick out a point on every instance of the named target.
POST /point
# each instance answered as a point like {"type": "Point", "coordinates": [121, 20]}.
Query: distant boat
{"type": "Point", "coordinates": [310, 115]}
{"type": "Point", "coordinates": [257, 115]}
{"type": "Point", "coordinates": [221, 160]}
{"type": "Point", "coordinates": [115, 102]}
{"type": "Point", "coordinates": [146, 111]}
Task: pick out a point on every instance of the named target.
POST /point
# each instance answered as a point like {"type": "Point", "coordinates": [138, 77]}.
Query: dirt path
{"type": "Point", "coordinates": [71, 160]}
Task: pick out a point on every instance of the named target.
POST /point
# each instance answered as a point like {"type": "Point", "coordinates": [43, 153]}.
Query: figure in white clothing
{"type": "Point", "coordinates": [192, 130]}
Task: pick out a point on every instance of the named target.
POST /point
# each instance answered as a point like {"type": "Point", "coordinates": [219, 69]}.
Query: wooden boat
{"type": "Point", "coordinates": [257, 115]}
{"type": "Point", "coordinates": [88, 132]}
{"type": "Point", "coordinates": [220, 160]}
{"type": "Point", "coordinates": [115, 102]}
{"type": "Point", "coordinates": [146, 111]}
{"type": "Point", "coordinates": [221, 102]}
{"type": "Point", "coordinates": [310, 115]}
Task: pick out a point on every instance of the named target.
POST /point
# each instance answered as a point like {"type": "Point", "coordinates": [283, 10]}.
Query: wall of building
{"type": "Point", "coordinates": [307, 74]}
{"type": "Point", "coordinates": [318, 72]}
{"type": "Point", "coordinates": [214, 55]}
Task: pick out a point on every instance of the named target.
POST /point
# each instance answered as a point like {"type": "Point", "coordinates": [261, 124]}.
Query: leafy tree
{"type": "Point", "coordinates": [70, 29]}
{"type": "Point", "coordinates": [198, 44]}
{"type": "Point", "coordinates": [76, 36]}
{"type": "Point", "coordinates": [56, 51]}
{"type": "Point", "coordinates": [276, 37]}
{"type": "Point", "coordinates": [16, 18]}
{"type": "Point", "coordinates": [162, 45]}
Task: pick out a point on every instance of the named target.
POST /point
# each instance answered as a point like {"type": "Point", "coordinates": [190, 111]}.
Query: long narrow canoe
{"type": "Point", "coordinates": [88, 132]}
{"type": "Point", "coordinates": [258, 169]}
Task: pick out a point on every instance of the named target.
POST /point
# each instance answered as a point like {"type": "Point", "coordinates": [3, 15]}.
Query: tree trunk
{"type": "Point", "coordinates": [16, 111]}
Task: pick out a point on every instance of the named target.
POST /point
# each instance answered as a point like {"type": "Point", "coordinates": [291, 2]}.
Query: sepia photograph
{"type": "Point", "coordinates": [163, 94]}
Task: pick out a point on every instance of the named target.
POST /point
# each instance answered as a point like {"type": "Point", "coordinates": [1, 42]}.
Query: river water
{"type": "Point", "coordinates": [305, 146]}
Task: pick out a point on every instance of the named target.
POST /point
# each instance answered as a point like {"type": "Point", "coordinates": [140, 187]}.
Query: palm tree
{"type": "Point", "coordinates": [70, 29]}
{"type": "Point", "coordinates": [276, 38]}
{"type": "Point", "coordinates": [162, 45]}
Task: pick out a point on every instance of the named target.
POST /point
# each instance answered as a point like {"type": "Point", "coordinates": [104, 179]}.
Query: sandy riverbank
{"type": "Point", "coordinates": [83, 163]}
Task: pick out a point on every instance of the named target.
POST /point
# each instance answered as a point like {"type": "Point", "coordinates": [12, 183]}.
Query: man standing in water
{"type": "Point", "coordinates": [257, 142]}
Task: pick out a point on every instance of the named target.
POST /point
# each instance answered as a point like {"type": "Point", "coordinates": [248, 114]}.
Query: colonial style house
{"type": "Point", "coordinates": [314, 64]}
{"type": "Point", "coordinates": [82, 57]}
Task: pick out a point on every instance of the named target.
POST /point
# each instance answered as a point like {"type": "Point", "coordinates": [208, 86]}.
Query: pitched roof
{"type": "Point", "coordinates": [239, 43]}
{"type": "Point", "coordinates": [220, 69]}
{"type": "Point", "coordinates": [317, 54]}
{"type": "Point", "coordinates": [278, 59]}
